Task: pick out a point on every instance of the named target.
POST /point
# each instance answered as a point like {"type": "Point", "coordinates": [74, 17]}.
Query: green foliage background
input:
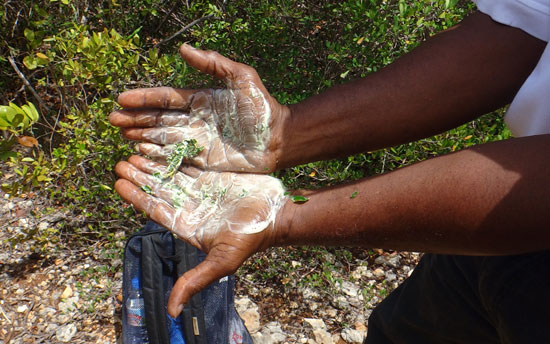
{"type": "Point", "coordinates": [79, 55]}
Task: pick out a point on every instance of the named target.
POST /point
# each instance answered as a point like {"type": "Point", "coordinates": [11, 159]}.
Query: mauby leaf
{"type": "Point", "coordinates": [30, 62]}
{"type": "Point", "coordinates": [30, 113]}
{"type": "Point", "coordinates": [7, 113]}
{"type": "Point", "coordinates": [298, 198]}
{"type": "Point", "coordinates": [34, 112]}
{"type": "Point", "coordinates": [29, 34]}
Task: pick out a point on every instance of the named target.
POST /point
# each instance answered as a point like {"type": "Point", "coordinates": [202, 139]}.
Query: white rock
{"type": "Point", "coordinates": [23, 223]}
{"type": "Point", "coordinates": [319, 329]}
{"type": "Point", "coordinates": [394, 261]}
{"type": "Point", "coordinates": [65, 333]}
{"type": "Point", "coordinates": [316, 323]}
{"type": "Point", "coordinates": [359, 272]}
{"type": "Point", "coordinates": [352, 336]}
{"type": "Point", "coordinates": [390, 276]}
{"type": "Point", "coordinates": [68, 292]}
{"type": "Point", "coordinates": [378, 272]}
{"type": "Point", "coordinates": [270, 334]}
{"type": "Point", "coordinates": [22, 308]}
{"type": "Point", "coordinates": [380, 260]}
{"type": "Point", "coordinates": [349, 289]}
{"type": "Point", "coordinates": [323, 337]}
{"type": "Point", "coordinates": [248, 311]}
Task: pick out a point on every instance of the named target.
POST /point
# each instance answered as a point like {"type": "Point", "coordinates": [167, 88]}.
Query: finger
{"type": "Point", "coordinates": [212, 63]}
{"type": "Point", "coordinates": [156, 209]}
{"type": "Point", "coordinates": [148, 118]}
{"type": "Point", "coordinates": [153, 151]}
{"type": "Point", "coordinates": [137, 177]}
{"type": "Point", "coordinates": [160, 97]}
{"type": "Point", "coordinates": [168, 135]}
{"type": "Point", "coordinates": [195, 280]}
{"type": "Point", "coordinates": [186, 177]}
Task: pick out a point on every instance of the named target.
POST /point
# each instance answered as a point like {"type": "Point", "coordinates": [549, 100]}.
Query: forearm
{"type": "Point", "coordinates": [490, 199]}
{"type": "Point", "coordinates": [448, 80]}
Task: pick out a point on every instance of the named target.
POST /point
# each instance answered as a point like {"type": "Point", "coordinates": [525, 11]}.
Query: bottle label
{"type": "Point", "coordinates": [136, 317]}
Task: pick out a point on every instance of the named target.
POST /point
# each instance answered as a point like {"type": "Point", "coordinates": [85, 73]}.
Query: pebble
{"type": "Point", "coordinates": [22, 308]}
{"type": "Point", "coordinates": [352, 336]}
{"type": "Point", "coordinates": [248, 311]}
{"type": "Point", "coordinates": [65, 333]}
{"type": "Point", "coordinates": [378, 272]}
{"type": "Point", "coordinates": [390, 276]}
{"type": "Point", "coordinates": [349, 289]}
{"type": "Point", "coordinates": [68, 292]}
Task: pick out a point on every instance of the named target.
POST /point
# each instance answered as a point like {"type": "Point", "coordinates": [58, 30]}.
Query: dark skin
{"type": "Point", "coordinates": [490, 199]}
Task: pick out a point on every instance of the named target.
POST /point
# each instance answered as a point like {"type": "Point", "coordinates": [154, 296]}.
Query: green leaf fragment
{"type": "Point", "coordinates": [147, 189]}
{"type": "Point", "coordinates": [354, 194]}
{"type": "Point", "coordinates": [182, 150]}
{"type": "Point", "coordinates": [298, 199]}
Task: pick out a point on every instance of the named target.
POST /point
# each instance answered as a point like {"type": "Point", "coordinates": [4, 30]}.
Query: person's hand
{"type": "Point", "coordinates": [228, 215]}
{"type": "Point", "coordinates": [239, 127]}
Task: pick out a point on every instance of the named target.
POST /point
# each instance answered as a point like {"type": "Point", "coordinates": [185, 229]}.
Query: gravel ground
{"type": "Point", "coordinates": [291, 295]}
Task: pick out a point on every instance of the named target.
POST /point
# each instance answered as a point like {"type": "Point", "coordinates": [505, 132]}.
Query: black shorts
{"type": "Point", "coordinates": [463, 299]}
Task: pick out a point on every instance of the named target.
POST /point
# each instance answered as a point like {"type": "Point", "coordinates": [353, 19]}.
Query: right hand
{"type": "Point", "coordinates": [230, 216]}
{"type": "Point", "coordinates": [239, 127]}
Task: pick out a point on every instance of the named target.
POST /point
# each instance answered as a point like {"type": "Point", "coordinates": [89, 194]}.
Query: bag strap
{"type": "Point", "coordinates": [193, 312]}
{"type": "Point", "coordinates": [153, 292]}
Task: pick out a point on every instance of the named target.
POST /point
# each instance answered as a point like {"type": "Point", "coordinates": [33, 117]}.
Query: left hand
{"type": "Point", "coordinates": [239, 127]}
{"type": "Point", "coordinates": [228, 215]}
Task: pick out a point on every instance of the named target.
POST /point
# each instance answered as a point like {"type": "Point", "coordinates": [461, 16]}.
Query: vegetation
{"type": "Point", "coordinates": [71, 58]}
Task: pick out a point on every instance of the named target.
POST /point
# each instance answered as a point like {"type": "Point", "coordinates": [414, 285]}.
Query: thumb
{"type": "Point", "coordinates": [193, 281]}
{"type": "Point", "coordinates": [213, 63]}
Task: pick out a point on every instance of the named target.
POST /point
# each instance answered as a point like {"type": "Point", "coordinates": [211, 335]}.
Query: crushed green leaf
{"type": "Point", "coordinates": [147, 189]}
{"type": "Point", "coordinates": [354, 194]}
{"type": "Point", "coordinates": [182, 150]}
{"type": "Point", "coordinates": [298, 198]}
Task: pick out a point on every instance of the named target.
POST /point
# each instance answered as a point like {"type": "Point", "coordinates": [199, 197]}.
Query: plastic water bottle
{"type": "Point", "coordinates": [135, 314]}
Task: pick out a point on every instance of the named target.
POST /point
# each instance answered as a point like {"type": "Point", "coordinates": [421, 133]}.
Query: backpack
{"type": "Point", "coordinates": [153, 260]}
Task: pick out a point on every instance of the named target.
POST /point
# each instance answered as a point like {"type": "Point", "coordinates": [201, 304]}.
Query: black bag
{"type": "Point", "coordinates": [153, 260]}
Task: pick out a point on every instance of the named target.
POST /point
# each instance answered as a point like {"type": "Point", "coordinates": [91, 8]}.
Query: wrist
{"type": "Point", "coordinates": [281, 134]}
{"type": "Point", "coordinates": [281, 227]}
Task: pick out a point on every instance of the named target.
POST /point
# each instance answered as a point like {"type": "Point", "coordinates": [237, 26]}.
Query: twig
{"type": "Point", "coordinates": [27, 83]}
{"type": "Point", "coordinates": [4, 314]}
{"type": "Point", "coordinates": [166, 17]}
{"type": "Point", "coordinates": [185, 28]}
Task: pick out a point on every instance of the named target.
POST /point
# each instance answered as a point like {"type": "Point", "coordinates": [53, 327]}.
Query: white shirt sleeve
{"type": "Point", "coordinates": [532, 16]}
{"type": "Point", "coordinates": [529, 112]}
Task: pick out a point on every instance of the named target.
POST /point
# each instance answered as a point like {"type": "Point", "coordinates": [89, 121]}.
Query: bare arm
{"type": "Point", "coordinates": [455, 76]}
{"type": "Point", "coordinates": [490, 199]}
